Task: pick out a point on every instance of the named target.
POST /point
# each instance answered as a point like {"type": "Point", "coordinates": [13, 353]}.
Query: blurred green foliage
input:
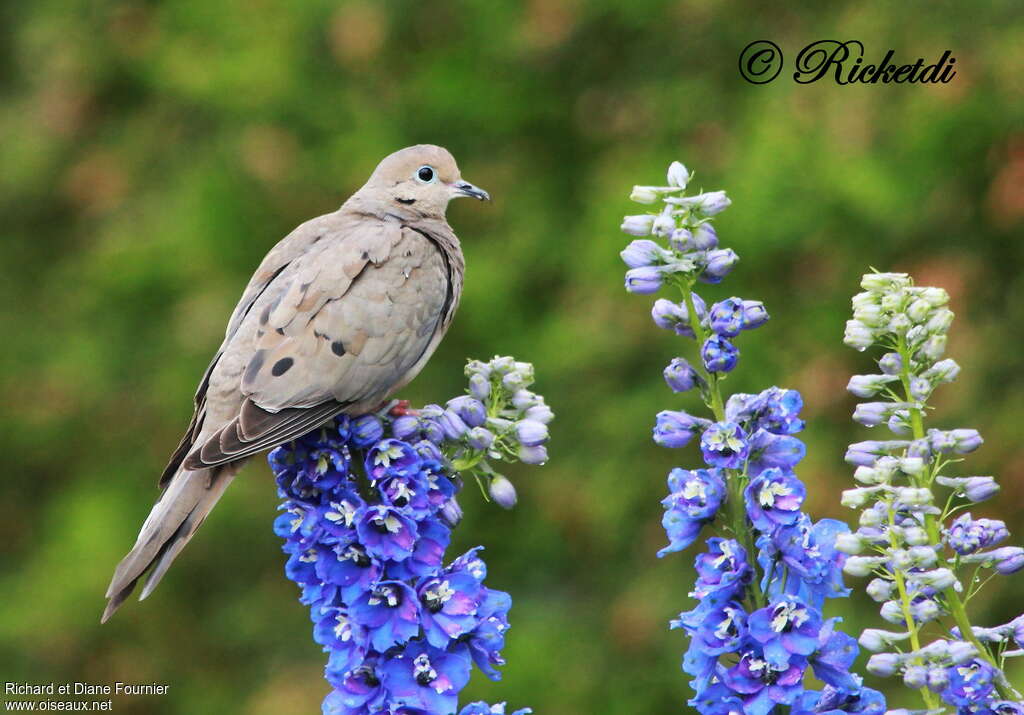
{"type": "Point", "coordinates": [151, 153]}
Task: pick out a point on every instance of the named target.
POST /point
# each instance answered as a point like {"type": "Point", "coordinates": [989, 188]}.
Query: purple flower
{"type": "Point", "coordinates": [718, 354]}
{"type": "Point", "coordinates": [349, 568]}
{"type": "Point", "coordinates": [763, 685]}
{"type": "Point", "coordinates": [774, 498]}
{"type": "Point", "coordinates": [774, 410]}
{"type": "Point", "coordinates": [726, 317]}
{"type": "Point", "coordinates": [488, 638]}
{"type": "Point", "coordinates": [355, 688]}
{"type": "Point", "coordinates": [969, 683]}
{"type": "Point", "coordinates": [693, 500]}
{"type": "Point", "coordinates": [387, 533]}
{"type": "Point", "coordinates": [724, 444]}
{"type": "Point", "coordinates": [715, 629]}
{"type": "Point", "coordinates": [428, 678]}
{"type": "Point", "coordinates": [769, 450]}
{"type": "Point", "coordinates": [448, 605]}
{"type": "Point", "coordinates": [676, 429]}
{"type": "Point", "coordinates": [785, 628]}
{"type": "Point", "coordinates": [391, 457]}
{"type": "Point", "coordinates": [389, 612]}
{"type": "Point", "coordinates": [967, 535]}
{"type": "Point", "coordinates": [833, 660]}
{"type": "Point", "coordinates": [722, 571]}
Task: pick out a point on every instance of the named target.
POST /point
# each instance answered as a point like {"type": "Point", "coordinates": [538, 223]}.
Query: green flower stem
{"type": "Point", "coordinates": [737, 515]}
{"type": "Point", "coordinates": [952, 598]}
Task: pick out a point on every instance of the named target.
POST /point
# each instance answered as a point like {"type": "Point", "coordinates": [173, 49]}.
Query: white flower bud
{"type": "Point", "coordinates": [871, 518]}
{"type": "Point", "coordinates": [856, 498]}
{"type": "Point", "coordinates": [645, 194]}
{"type": "Point", "coordinates": [892, 612]}
{"type": "Point", "coordinates": [849, 543]}
{"type": "Point", "coordinates": [937, 297]}
{"type": "Point", "coordinates": [678, 175]}
{"type": "Point", "coordinates": [919, 310]}
{"type": "Point", "coordinates": [858, 336]}
{"type": "Point", "coordinates": [864, 299]}
{"type": "Point", "coordinates": [883, 282]}
{"type": "Point", "coordinates": [871, 315]}
{"type": "Point", "coordinates": [940, 321]}
{"type": "Point", "coordinates": [638, 225]}
{"type": "Point", "coordinates": [915, 536]}
{"type": "Point", "coordinates": [862, 565]}
{"type": "Point", "coordinates": [942, 371]}
{"type": "Point", "coordinates": [664, 225]}
{"type": "Point", "coordinates": [914, 496]}
{"type": "Point", "coordinates": [933, 348]}
{"type": "Point", "coordinates": [912, 466]}
{"type": "Point", "coordinates": [871, 475]}
{"type": "Point", "coordinates": [879, 589]}
{"type": "Point", "coordinates": [899, 324]}
{"type": "Point", "coordinates": [894, 302]}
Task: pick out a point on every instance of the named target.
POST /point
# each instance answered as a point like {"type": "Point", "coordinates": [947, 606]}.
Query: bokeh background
{"type": "Point", "coordinates": [151, 153]}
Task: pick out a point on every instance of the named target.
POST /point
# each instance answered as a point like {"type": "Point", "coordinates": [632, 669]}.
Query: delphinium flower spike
{"type": "Point", "coordinates": [368, 507]}
{"type": "Point", "coordinates": [927, 565]}
{"type": "Point", "coordinates": [757, 629]}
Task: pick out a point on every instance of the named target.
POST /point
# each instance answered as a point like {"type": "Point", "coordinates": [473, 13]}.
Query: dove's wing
{"type": "Point", "coordinates": [287, 250]}
{"type": "Point", "coordinates": [340, 327]}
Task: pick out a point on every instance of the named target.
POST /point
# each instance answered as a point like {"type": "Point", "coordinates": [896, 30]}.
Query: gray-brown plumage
{"type": "Point", "coordinates": [343, 312]}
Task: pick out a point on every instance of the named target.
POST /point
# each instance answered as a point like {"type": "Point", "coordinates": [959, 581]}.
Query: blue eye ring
{"type": "Point", "coordinates": [426, 174]}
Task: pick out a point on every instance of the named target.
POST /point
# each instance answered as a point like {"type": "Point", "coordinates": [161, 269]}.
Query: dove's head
{"type": "Point", "coordinates": [420, 180]}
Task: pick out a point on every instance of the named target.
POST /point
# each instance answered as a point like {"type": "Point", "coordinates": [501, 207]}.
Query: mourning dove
{"type": "Point", "coordinates": [343, 312]}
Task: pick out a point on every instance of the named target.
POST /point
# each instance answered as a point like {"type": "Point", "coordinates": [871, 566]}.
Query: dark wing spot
{"type": "Point", "coordinates": [337, 348]}
{"type": "Point", "coordinates": [254, 366]}
{"type": "Point", "coordinates": [279, 331]}
{"type": "Point", "coordinates": [407, 202]}
{"type": "Point", "coordinates": [281, 366]}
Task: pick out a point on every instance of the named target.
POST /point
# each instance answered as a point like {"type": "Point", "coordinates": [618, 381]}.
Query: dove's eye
{"type": "Point", "coordinates": [425, 174]}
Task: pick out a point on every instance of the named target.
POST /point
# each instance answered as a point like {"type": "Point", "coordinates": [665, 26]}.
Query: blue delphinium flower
{"type": "Point", "coordinates": [907, 538]}
{"type": "Point", "coordinates": [367, 512]}
{"type": "Point", "coordinates": [757, 629]}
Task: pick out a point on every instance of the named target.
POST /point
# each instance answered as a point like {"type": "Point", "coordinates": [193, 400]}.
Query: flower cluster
{"type": "Point", "coordinates": [369, 505]}
{"type": "Point", "coordinates": [927, 565]}
{"type": "Point", "coordinates": [758, 626]}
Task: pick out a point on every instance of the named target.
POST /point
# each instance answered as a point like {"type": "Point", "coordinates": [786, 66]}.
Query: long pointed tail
{"type": "Point", "coordinates": [175, 517]}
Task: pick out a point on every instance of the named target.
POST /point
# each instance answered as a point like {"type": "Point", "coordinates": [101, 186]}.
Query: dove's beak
{"type": "Point", "coordinates": [464, 188]}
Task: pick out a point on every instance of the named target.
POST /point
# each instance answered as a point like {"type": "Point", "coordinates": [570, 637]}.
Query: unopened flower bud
{"type": "Point", "coordinates": [678, 175]}
{"type": "Point", "coordinates": [890, 363]}
{"type": "Point", "coordinates": [533, 455]}
{"type": "Point", "coordinates": [644, 195]}
{"type": "Point", "coordinates": [719, 262]}
{"type": "Point", "coordinates": [879, 589]}
{"type": "Point", "coordinates": [713, 203]}
{"type": "Point", "coordinates": [943, 371]}
{"type": "Point", "coordinates": [849, 543]}
{"type": "Point", "coordinates": [961, 652]}
{"type": "Point", "coordinates": [858, 336]}
{"type": "Point", "coordinates": [479, 387]}
{"type": "Point", "coordinates": [705, 238]}
{"type": "Point", "coordinates": [938, 679]}
{"type": "Point", "coordinates": [664, 225]}
{"type": "Point", "coordinates": [914, 496]}
{"type": "Point", "coordinates": [869, 385]}
{"type": "Point", "coordinates": [933, 348]}
{"type": "Point", "coordinates": [919, 310]}
{"type": "Point", "coordinates": [899, 324]}
{"type": "Point", "coordinates": [862, 565]}
{"type": "Point", "coordinates": [939, 579]}
{"type": "Point", "coordinates": [502, 492]}
{"type": "Point", "coordinates": [530, 433]}
{"type": "Point", "coordinates": [680, 376]}
{"type": "Point", "coordinates": [920, 388]}
{"type": "Point", "coordinates": [884, 282]}
{"type": "Point", "coordinates": [480, 438]}
{"type": "Point", "coordinates": [915, 536]}
{"type": "Point", "coordinates": [939, 322]}
{"type": "Point", "coordinates": [915, 676]}
{"type": "Point", "coordinates": [539, 413]}
{"type": "Point", "coordinates": [451, 512]}
{"type": "Point", "coordinates": [883, 664]}
{"type": "Point", "coordinates": [643, 252]}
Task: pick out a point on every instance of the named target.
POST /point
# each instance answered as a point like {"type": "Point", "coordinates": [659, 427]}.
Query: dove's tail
{"type": "Point", "coordinates": [175, 517]}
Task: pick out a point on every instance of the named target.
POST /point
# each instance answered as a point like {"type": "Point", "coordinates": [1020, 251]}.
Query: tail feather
{"type": "Point", "coordinates": [179, 511]}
